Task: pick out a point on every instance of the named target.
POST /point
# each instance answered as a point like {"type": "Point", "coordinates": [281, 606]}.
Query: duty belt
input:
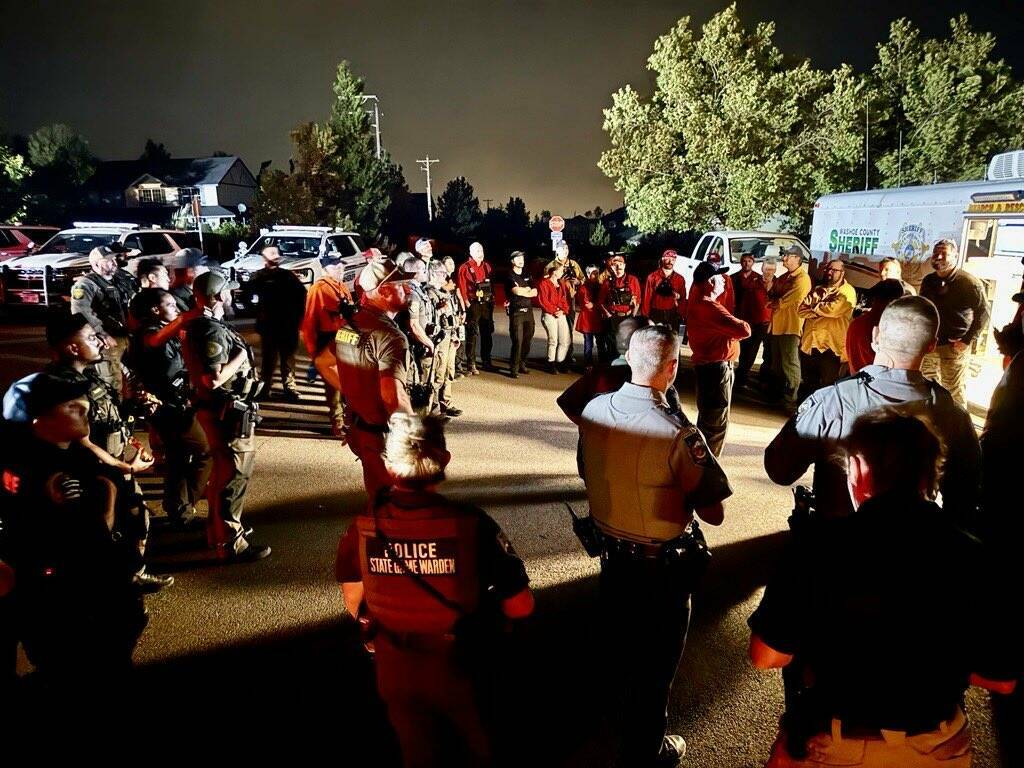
{"type": "Point", "coordinates": [419, 641]}
{"type": "Point", "coordinates": [618, 547]}
{"type": "Point", "coordinates": [360, 423]}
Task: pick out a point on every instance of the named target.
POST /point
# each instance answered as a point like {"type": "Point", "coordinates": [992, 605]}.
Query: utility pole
{"type": "Point", "coordinates": [487, 201]}
{"type": "Point", "coordinates": [867, 143]}
{"type": "Point", "coordinates": [430, 201]}
{"type": "Point", "coordinates": [376, 119]}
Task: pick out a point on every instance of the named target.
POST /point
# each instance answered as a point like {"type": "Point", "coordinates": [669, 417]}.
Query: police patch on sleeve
{"type": "Point", "coordinates": [78, 292]}
{"type": "Point", "coordinates": [214, 349]}
{"type": "Point", "coordinates": [697, 447]}
{"type": "Point", "coordinates": [347, 336]}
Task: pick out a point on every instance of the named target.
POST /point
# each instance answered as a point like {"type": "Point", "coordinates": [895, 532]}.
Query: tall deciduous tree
{"type": "Point", "coordinates": [61, 162]}
{"type": "Point", "coordinates": [336, 178]}
{"type": "Point", "coordinates": [13, 173]}
{"type": "Point", "coordinates": [58, 145]}
{"type": "Point", "coordinates": [732, 135]}
{"type": "Point", "coordinates": [940, 108]}
{"type": "Point", "coordinates": [458, 209]}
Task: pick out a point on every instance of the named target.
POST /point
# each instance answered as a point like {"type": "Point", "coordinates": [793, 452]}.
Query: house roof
{"type": "Point", "coordinates": [216, 210]}
{"type": "Point", "coordinates": [177, 172]}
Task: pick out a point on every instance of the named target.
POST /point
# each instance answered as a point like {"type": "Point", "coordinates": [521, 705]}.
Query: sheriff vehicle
{"type": "Point", "coordinates": [301, 249]}
{"type": "Point", "coordinates": [985, 217]}
{"type": "Point", "coordinates": [45, 275]}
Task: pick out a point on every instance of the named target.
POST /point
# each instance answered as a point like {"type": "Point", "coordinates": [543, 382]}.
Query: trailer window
{"type": "Point", "coordinates": [978, 243]}
{"type": "Point", "coordinates": [1010, 239]}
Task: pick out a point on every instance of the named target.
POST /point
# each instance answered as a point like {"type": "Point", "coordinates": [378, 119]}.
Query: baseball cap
{"type": "Point", "coordinates": [330, 257]}
{"type": "Point", "coordinates": [422, 243]}
{"type": "Point", "coordinates": [377, 273]}
{"type": "Point", "coordinates": [34, 395]}
{"type": "Point", "coordinates": [62, 325]}
{"type": "Point", "coordinates": [793, 251]}
{"type": "Point", "coordinates": [107, 251]}
{"type": "Point", "coordinates": [705, 271]}
{"type": "Point", "coordinates": [1018, 297]}
{"type": "Point", "coordinates": [669, 255]}
{"type": "Point", "coordinates": [212, 283]}
{"type": "Point", "coordinates": [617, 257]}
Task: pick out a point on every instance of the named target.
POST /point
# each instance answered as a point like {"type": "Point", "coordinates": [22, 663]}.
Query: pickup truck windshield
{"type": "Point", "coordinates": [762, 247]}
{"type": "Point", "coordinates": [78, 242]}
{"type": "Point", "coordinates": [291, 247]}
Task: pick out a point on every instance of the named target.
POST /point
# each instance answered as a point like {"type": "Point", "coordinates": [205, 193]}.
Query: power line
{"type": "Point", "coordinates": [430, 200]}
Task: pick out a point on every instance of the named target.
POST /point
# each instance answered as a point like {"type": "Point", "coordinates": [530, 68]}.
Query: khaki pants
{"type": "Point", "coordinates": [948, 367]}
{"type": "Point", "coordinates": [441, 380]}
{"type": "Point", "coordinates": [234, 459]}
{"type": "Point", "coordinates": [947, 747]}
{"type": "Point", "coordinates": [369, 449]}
{"type": "Point", "coordinates": [110, 369]}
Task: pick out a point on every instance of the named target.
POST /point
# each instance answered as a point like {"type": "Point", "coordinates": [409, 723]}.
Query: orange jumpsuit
{"type": "Point", "coordinates": [319, 324]}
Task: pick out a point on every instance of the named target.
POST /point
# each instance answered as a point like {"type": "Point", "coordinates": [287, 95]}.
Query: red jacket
{"type": "Point", "coordinates": [553, 297]}
{"type": "Point", "coordinates": [753, 304]}
{"type": "Point", "coordinates": [714, 333]}
{"type": "Point", "coordinates": [727, 299]}
{"type": "Point", "coordinates": [589, 320]}
{"type": "Point", "coordinates": [654, 300]}
{"type": "Point", "coordinates": [858, 340]}
{"type": "Point", "coordinates": [627, 282]}
{"type": "Point", "coordinates": [468, 275]}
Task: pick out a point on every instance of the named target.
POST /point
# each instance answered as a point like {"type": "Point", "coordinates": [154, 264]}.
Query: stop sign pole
{"type": "Point", "coordinates": [556, 224]}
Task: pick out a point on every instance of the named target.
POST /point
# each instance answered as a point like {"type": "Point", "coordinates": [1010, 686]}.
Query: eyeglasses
{"type": "Point", "coordinates": [835, 271]}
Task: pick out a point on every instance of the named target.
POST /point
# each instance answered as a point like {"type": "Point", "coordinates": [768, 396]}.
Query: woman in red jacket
{"type": "Point", "coordinates": [553, 297]}
{"type": "Point", "coordinates": [588, 313]}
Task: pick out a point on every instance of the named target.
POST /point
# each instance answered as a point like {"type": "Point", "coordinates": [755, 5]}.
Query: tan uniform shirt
{"type": "Point", "coordinates": [646, 469]}
{"type": "Point", "coordinates": [786, 318]}
{"type": "Point", "coordinates": [827, 312]}
{"type": "Point", "coordinates": [369, 348]}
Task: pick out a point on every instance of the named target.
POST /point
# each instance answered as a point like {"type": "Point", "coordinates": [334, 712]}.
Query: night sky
{"type": "Point", "coordinates": [508, 94]}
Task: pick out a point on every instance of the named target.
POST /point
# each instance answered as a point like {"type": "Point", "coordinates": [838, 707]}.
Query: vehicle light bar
{"type": "Point", "coordinates": [103, 225]}
{"type": "Point", "coordinates": [1010, 196]}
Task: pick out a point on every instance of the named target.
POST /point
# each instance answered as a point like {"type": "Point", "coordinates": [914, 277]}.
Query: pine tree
{"type": "Point", "coordinates": [458, 209]}
{"type": "Point", "coordinates": [600, 238]}
{"type": "Point", "coordinates": [336, 178]}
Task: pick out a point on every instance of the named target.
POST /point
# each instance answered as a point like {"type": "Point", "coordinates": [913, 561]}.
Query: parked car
{"type": "Point", "coordinates": [301, 249]}
{"type": "Point", "coordinates": [18, 239]}
{"type": "Point", "coordinates": [730, 245]}
{"type": "Point", "coordinates": [45, 276]}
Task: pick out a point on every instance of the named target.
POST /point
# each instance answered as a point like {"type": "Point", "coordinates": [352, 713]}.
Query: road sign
{"type": "Point", "coordinates": [556, 224]}
{"type": "Point", "coordinates": [556, 237]}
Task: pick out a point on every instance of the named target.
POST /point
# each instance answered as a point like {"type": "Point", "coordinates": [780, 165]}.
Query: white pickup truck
{"type": "Point", "coordinates": [730, 245]}
{"type": "Point", "coordinates": [301, 248]}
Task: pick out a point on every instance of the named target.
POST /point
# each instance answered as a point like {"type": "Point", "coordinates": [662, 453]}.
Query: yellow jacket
{"type": "Point", "coordinates": [789, 291]}
{"type": "Point", "coordinates": [827, 312]}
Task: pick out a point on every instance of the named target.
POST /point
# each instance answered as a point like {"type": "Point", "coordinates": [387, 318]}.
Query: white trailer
{"type": "Point", "coordinates": [986, 219]}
